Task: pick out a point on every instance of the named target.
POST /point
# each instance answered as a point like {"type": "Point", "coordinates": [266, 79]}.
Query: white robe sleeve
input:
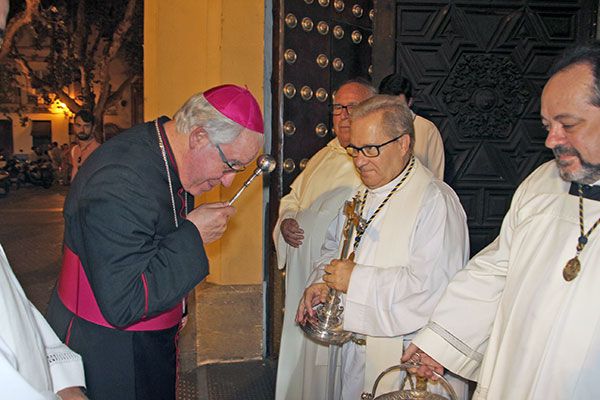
{"type": "Point", "coordinates": [398, 300]}
{"type": "Point", "coordinates": [12, 382]}
{"type": "Point", "coordinates": [473, 295]}
{"type": "Point", "coordinates": [34, 363]}
{"type": "Point", "coordinates": [429, 146]}
{"type": "Point", "coordinates": [330, 249]}
{"type": "Point", "coordinates": [288, 208]}
{"type": "Point", "coordinates": [435, 152]}
{"type": "Point", "coordinates": [66, 366]}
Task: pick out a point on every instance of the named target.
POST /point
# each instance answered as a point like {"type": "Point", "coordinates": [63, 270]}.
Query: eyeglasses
{"type": "Point", "coordinates": [371, 150]}
{"type": "Point", "coordinates": [337, 109]}
{"type": "Point", "coordinates": [234, 166]}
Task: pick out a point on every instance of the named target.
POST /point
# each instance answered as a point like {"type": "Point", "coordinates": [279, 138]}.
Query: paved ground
{"type": "Point", "coordinates": [31, 232]}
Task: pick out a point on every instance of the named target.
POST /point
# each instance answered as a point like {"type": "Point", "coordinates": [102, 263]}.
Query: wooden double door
{"type": "Point", "coordinates": [478, 68]}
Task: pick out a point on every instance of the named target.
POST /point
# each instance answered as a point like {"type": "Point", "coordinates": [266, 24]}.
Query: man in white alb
{"type": "Point", "coordinates": [429, 146]}
{"type": "Point", "coordinates": [522, 318]}
{"type": "Point", "coordinates": [34, 364]}
{"type": "Point", "coordinates": [304, 215]}
{"type": "Point", "coordinates": [414, 242]}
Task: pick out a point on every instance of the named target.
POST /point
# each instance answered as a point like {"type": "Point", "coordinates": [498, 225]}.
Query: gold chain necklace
{"type": "Point", "coordinates": [573, 266]}
{"type": "Point", "coordinates": [163, 152]}
{"type": "Point", "coordinates": [360, 230]}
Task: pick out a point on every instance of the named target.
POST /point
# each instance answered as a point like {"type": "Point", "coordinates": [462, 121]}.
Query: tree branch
{"type": "Point", "coordinates": [117, 94]}
{"type": "Point", "coordinates": [20, 20]}
{"type": "Point", "coordinates": [32, 79]}
{"type": "Point", "coordinates": [115, 45]}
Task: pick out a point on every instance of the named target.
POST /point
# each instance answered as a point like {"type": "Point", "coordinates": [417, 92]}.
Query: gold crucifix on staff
{"type": "Point", "coordinates": [353, 221]}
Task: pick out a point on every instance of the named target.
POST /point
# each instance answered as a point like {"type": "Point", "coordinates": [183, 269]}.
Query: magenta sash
{"type": "Point", "coordinates": [75, 292]}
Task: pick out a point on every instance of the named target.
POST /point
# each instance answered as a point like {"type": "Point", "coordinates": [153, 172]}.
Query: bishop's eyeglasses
{"type": "Point", "coordinates": [370, 150]}
{"type": "Point", "coordinates": [234, 166]}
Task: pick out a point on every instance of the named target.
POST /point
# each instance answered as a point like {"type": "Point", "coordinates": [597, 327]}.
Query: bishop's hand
{"type": "Point", "coordinates": [211, 220]}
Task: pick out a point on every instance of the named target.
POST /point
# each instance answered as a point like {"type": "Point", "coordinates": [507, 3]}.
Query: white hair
{"type": "Point", "coordinates": [198, 112]}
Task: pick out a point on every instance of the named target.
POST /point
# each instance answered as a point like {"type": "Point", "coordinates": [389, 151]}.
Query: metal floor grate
{"type": "Point", "coordinates": [252, 380]}
{"type": "Point", "coordinates": [187, 388]}
{"type": "Point", "coordinates": [249, 380]}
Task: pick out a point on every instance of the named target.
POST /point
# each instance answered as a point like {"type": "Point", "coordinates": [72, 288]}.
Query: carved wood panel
{"type": "Point", "coordinates": [478, 68]}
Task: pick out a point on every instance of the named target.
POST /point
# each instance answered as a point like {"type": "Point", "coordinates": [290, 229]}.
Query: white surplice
{"type": "Point", "coordinates": [316, 196]}
{"type": "Point", "coordinates": [509, 320]}
{"type": "Point", "coordinates": [429, 146]}
{"type": "Point", "coordinates": [408, 254]}
{"type": "Point", "coordinates": [34, 363]}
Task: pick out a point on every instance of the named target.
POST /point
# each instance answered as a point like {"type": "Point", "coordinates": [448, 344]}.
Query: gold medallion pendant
{"type": "Point", "coordinates": [572, 269]}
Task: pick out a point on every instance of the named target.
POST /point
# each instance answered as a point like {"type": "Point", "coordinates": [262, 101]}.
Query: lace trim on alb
{"type": "Point", "coordinates": [456, 343]}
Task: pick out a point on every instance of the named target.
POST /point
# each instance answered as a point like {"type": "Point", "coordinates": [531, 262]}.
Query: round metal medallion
{"type": "Point", "coordinates": [372, 15]}
{"type": "Point", "coordinates": [357, 11]}
{"type": "Point", "coordinates": [322, 61]}
{"type": "Point", "coordinates": [321, 130]}
{"type": "Point", "coordinates": [339, 5]}
{"type": "Point", "coordinates": [356, 37]}
{"type": "Point", "coordinates": [303, 163]}
{"type": "Point", "coordinates": [289, 90]}
{"type": "Point", "coordinates": [306, 93]}
{"type": "Point", "coordinates": [321, 95]}
{"type": "Point", "coordinates": [289, 165]}
{"type": "Point", "coordinates": [338, 64]}
{"type": "Point", "coordinates": [290, 56]}
{"type": "Point", "coordinates": [307, 24]}
{"type": "Point", "coordinates": [323, 28]}
{"type": "Point", "coordinates": [370, 40]}
{"type": "Point", "coordinates": [324, 3]}
{"type": "Point", "coordinates": [289, 128]}
{"type": "Point", "coordinates": [291, 21]}
{"type": "Point", "coordinates": [338, 32]}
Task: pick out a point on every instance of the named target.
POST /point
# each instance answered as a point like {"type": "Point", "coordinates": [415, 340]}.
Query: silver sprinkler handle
{"type": "Point", "coordinates": [265, 163]}
{"type": "Point", "coordinates": [256, 173]}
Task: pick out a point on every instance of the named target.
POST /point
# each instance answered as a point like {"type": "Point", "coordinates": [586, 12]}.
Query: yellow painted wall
{"type": "Point", "coordinates": [190, 46]}
{"type": "Point", "coordinates": [22, 139]}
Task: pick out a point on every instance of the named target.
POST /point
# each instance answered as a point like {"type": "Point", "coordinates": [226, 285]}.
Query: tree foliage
{"type": "Point", "coordinates": [64, 49]}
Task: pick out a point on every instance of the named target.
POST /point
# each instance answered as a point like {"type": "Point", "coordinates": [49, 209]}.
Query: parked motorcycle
{"type": "Point", "coordinates": [4, 178]}
{"type": "Point", "coordinates": [40, 173]}
{"type": "Point", "coordinates": [16, 171]}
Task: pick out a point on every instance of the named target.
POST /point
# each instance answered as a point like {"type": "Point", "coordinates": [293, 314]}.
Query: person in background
{"type": "Point", "coordinates": [304, 214]}
{"type": "Point", "coordinates": [429, 146]}
{"type": "Point", "coordinates": [83, 127]}
{"type": "Point", "coordinates": [55, 154]}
